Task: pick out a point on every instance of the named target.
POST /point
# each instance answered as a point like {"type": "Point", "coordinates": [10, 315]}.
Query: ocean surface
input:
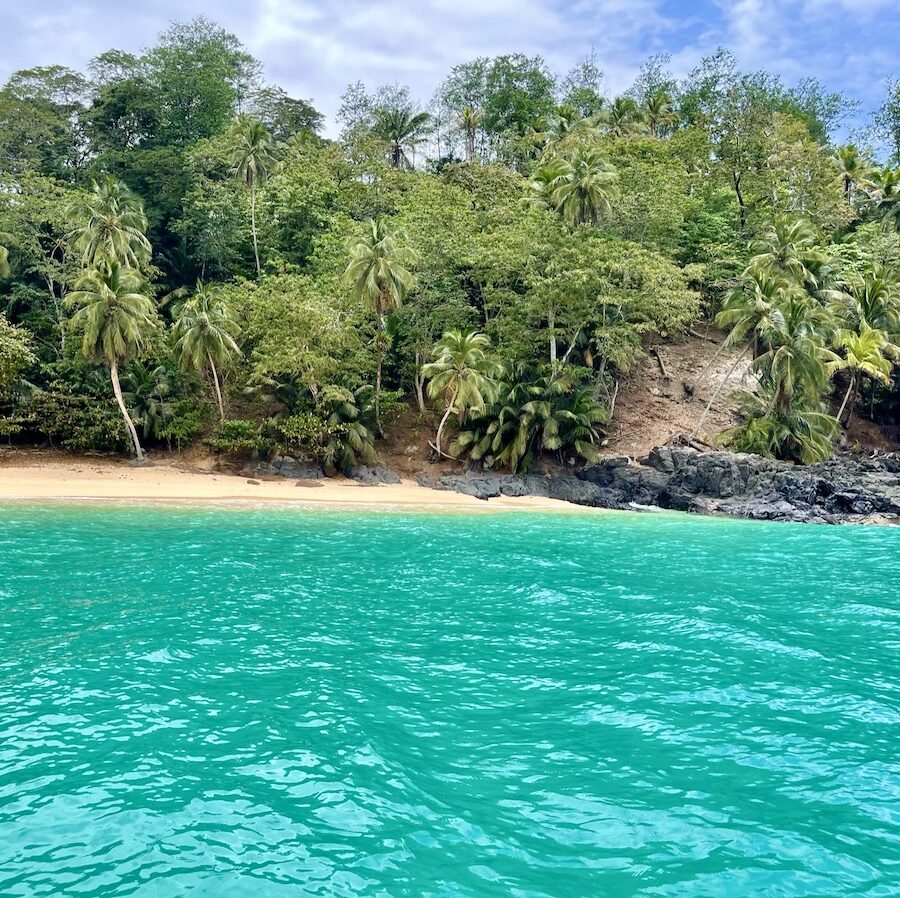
{"type": "Point", "coordinates": [240, 702]}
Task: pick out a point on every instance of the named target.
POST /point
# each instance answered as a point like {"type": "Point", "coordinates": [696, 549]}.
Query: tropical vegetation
{"type": "Point", "coordinates": [184, 256]}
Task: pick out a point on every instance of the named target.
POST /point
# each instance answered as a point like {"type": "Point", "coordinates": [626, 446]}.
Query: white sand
{"type": "Point", "coordinates": [27, 475]}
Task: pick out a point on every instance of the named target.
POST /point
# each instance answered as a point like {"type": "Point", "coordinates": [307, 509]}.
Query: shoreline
{"type": "Point", "coordinates": [38, 480]}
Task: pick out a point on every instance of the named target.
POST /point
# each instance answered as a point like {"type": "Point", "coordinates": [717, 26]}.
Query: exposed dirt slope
{"type": "Point", "coordinates": [653, 407]}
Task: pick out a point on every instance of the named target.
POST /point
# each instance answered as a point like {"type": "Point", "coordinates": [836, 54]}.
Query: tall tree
{"type": "Point", "coordinates": [400, 125]}
{"type": "Point", "coordinates": [42, 121]}
{"type": "Point", "coordinates": [469, 119]}
{"type": "Point", "coordinates": [659, 112]}
{"type": "Point", "coordinates": [116, 316]}
{"type": "Point", "coordinates": [623, 117]}
{"type": "Point", "coordinates": [886, 195]}
{"type": "Point", "coordinates": [865, 354]}
{"type": "Point", "coordinates": [853, 169]}
{"type": "Point", "coordinates": [252, 156]}
{"type": "Point", "coordinates": [887, 120]}
{"type": "Point", "coordinates": [519, 92]}
{"type": "Point", "coordinates": [283, 116]}
{"type": "Point", "coordinates": [204, 334]}
{"type": "Point", "coordinates": [379, 276]}
{"type": "Point", "coordinates": [583, 86]}
{"type": "Point", "coordinates": [200, 74]}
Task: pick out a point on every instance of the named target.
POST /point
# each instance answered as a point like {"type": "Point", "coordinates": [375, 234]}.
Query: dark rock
{"type": "Point", "coordinates": [372, 474]}
{"type": "Point", "coordinates": [253, 482]}
{"type": "Point", "coordinates": [481, 486]}
{"type": "Point", "coordinates": [660, 458]}
{"type": "Point", "coordinates": [290, 468]}
{"type": "Point", "coordinates": [683, 479]}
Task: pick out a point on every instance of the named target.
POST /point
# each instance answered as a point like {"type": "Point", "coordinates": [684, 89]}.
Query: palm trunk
{"type": "Point", "coordinates": [253, 225]}
{"type": "Point", "coordinates": [420, 383]}
{"type": "Point", "coordinates": [852, 401]}
{"type": "Point", "coordinates": [742, 210]}
{"type": "Point", "coordinates": [850, 386]}
{"type": "Point", "coordinates": [551, 326]}
{"type": "Point", "coordinates": [716, 392]}
{"type": "Point", "coordinates": [440, 430]}
{"type": "Point", "coordinates": [114, 377]}
{"type": "Point", "coordinates": [711, 362]}
{"type": "Point", "coordinates": [215, 375]}
{"type": "Point", "coordinates": [470, 145]}
{"type": "Point", "coordinates": [379, 352]}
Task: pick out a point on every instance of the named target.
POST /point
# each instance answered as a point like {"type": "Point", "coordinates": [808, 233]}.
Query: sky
{"type": "Point", "coordinates": [314, 48]}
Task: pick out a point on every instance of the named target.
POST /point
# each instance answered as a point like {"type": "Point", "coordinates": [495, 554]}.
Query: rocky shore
{"type": "Point", "coordinates": [842, 490]}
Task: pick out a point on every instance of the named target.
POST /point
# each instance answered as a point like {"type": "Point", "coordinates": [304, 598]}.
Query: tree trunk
{"type": "Point", "coordinates": [253, 225]}
{"type": "Point", "coordinates": [448, 411]}
{"type": "Point", "coordinates": [852, 401]}
{"type": "Point", "coordinates": [711, 362]}
{"type": "Point", "coordinates": [742, 211]}
{"type": "Point", "coordinates": [470, 144]}
{"type": "Point", "coordinates": [846, 397]}
{"type": "Point", "coordinates": [716, 392]}
{"type": "Point", "coordinates": [551, 326]}
{"type": "Point", "coordinates": [379, 353]}
{"type": "Point", "coordinates": [215, 375]}
{"type": "Point", "coordinates": [420, 383]}
{"type": "Point", "coordinates": [114, 377]}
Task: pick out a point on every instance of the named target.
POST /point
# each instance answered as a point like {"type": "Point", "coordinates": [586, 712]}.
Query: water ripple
{"type": "Point", "coordinates": [276, 703]}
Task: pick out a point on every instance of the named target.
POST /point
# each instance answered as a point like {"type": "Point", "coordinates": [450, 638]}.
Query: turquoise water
{"type": "Point", "coordinates": [282, 703]}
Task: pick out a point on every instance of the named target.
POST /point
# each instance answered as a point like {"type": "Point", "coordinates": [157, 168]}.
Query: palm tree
{"type": "Point", "coordinates": [873, 301]}
{"type": "Point", "coordinates": [659, 112]}
{"type": "Point", "coordinates": [468, 120]}
{"type": "Point", "coordinates": [463, 375]}
{"type": "Point", "coordinates": [796, 362]}
{"type": "Point", "coordinates": [864, 354]}
{"type": "Point", "coordinates": [4, 255]}
{"type": "Point", "coordinates": [534, 414]}
{"type": "Point", "coordinates": [578, 186]}
{"type": "Point", "coordinates": [623, 117]}
{"type": "Point", "coordinates": [747, 308]}
{"type": "Point", "coordinates": [147, 394]}
{"type": "Point", "coordinates": [886, 195]}
{"type": "Point", "coordinates": [252, 156]}
{"type": "Point", "coordinates": [379, 276]}
{"type": "Point", "coordinates": [400, 126]}
{"type": "Point", "coordinates": [110, 226]}
{"type": "Point", "coordinates": [348, 418]}
{"type": "Point", "coordinates": [789, 246]}
{"type": "Point", "coordinates": [563, 414]}
{"type": "Point", "coordinates": [116, 315]}
{"type": "Point", "coordinates": [566, 126]}
{"type": "Point", "coordinates": [803, 432]}
{"type": "Point", "coordinates": [853, 169]}
{"type": "Point", "coordinates": [204, 335]}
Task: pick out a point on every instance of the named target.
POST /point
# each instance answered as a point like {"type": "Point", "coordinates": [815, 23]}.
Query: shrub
{"type": "Point", "coordinates": [186, 423]}
{"type": "Point", "coordinates": [72, 420]}
{"type": "Point", "coordinates": [237, 435]}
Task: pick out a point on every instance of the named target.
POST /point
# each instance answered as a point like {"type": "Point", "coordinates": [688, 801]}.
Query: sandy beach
{"type": "Point", "coordinates": [27, 475]}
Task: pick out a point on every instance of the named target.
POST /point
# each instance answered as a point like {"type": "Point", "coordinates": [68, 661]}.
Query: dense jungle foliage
{"type": "Point", "coordinates": [185, 257]}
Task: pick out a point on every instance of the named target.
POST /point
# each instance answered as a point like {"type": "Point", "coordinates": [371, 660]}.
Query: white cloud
{"type": "Point", "coordinates": [314, 48]}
